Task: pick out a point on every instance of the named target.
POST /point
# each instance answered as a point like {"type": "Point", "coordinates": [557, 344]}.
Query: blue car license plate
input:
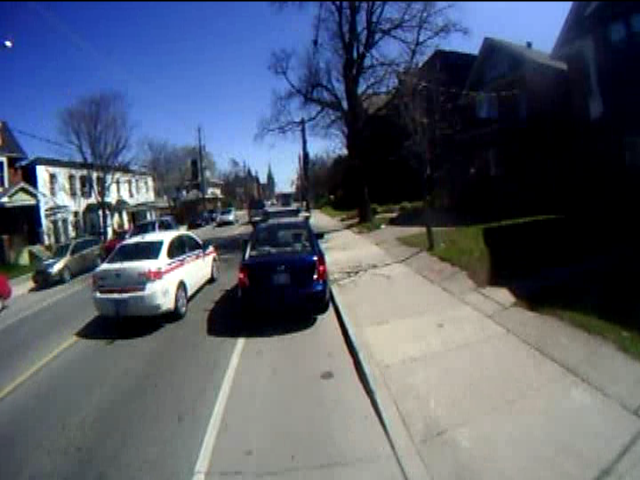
{"type": "Point", "coordinates": [281, 279]}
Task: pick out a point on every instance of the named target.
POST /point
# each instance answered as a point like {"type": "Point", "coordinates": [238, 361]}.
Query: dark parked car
{"type": "Point", "coordinates": [283, 267]}
{"type": "Point", "coordinates": [201, 220]}
{"type": "Point", "coordinates": [213, 214]}
{"type": "Point", "coordinates": [68, 260]}
{"type": "Point", "coordinates": [158, 225]}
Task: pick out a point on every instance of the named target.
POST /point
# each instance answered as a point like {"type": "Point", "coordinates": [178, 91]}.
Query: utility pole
{"type": "Point", "coordinates": [305, 164]}
{"type": "Point", "coordinates": [203, 187]}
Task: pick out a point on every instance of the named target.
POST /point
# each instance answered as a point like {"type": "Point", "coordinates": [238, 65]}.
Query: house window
{"type": "Point", "coordinates": [85, 186]}
{"type": "Point", "coordinates": [2, 174]}
{"type": "Point", "coordinates": [635, 22]}
{"type": "Point", "coordinates": [146, 186]}
{"type": "Point", "coordinates": [130, 182]}
{"type": "Point", "coordinates": [53, 184]}
{"type": "Point", "coordinates": [73, 188]}
{"type": "Point", "coordinates": [617, 32]}
{"type": "Point", "coordinates": [138, 189]}
{"type": "Point", "coordinates": [101, 188]}
{"type": "Point", "coordinates": [118, 189]}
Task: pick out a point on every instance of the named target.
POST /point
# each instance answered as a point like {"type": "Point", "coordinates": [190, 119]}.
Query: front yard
{"type": "Point", "coordinates": [552, 267]}
{"type": "Point", "coordinates": [14, 271]}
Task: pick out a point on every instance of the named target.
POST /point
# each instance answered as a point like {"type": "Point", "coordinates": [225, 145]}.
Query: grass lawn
{"type": "Point", "coordinates": [13, 271]}
{"type": "Point", "coordinates": [338, 214]}
{"type": "Point", "coordinates": [391, 208]}
{"type": "Point", "coordinates": [374, 224]}
{"type": "Point", "coordinates": [463, 247]}
{"type": "Point", "coordinates": [598, 304]}
{"type": "Point", "coordinates": [626, 340]}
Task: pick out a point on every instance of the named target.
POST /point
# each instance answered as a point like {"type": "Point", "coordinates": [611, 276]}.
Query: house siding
{"type": "Point", "coordinates": [59, 213]}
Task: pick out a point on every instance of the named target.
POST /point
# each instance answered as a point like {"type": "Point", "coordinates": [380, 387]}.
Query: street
{"type": "Point", "coordinates": [205, 397]}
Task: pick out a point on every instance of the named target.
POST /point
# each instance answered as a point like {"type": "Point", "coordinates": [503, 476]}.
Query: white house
{"type": "Point", "coordinates": [69, 206]}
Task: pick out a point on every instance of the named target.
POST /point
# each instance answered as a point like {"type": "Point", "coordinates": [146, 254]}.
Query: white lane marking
{"type": "Point", "coordinates": [22, 378]}
{"type": "Point", "coordinates": [46, 303]}
{"type": "Point", "coordinates": [202, 465]}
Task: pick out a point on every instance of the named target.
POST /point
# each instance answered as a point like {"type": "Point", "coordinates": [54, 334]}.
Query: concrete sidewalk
{"type": "Point", "coordinates": [21, 285]}
{"type": "Point", "coordinates": [473, 387]}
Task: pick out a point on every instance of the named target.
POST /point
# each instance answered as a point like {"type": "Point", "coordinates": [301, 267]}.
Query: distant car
{"type": "Point", "coordinates": [68, 260]}
{"type": "Point", "coordinates": [257, 209]}
{"type": "Point", "coordinates": [286, 201]}
{"type": "Point", "coordinates": [111, 244]}
{"type": "Point", "coordinates": [213, 214]}
{"type": "Point", "coordinates": [284, 267]}
{"type": "Point", "coordinates": [162, 224]}
{"type": "Point", "coordinates": [227, 217]}
{"type": "Point", "coordinates": [152, 274]}
{"type": "Point", "coordinates": [201, 220]}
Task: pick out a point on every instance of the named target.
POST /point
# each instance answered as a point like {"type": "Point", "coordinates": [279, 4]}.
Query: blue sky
{"type": "Point", "coordinates": [184, 64]}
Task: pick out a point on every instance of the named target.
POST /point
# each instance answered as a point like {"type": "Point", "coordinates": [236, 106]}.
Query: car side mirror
{"type": "Point", "coordinates": [208, 243]}
{"type": "Point", "coordinates": [320, 235]}
{"type": "Point", "coordinates": [245, 243]}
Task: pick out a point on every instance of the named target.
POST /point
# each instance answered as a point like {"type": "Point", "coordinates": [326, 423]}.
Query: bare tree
{"type": "Point", "coordinates": [99, 128]}
{"type": "Point", "coordinates": [159, 159]}
{"type": "Point", "coordinates": [358, 49]}
{"type": "Point", "coordinates": [421, 125]}
{"type": "Point", "coordinates": [171, 165]}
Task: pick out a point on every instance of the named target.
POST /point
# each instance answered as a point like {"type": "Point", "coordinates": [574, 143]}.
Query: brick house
{"type": "Point", "coordinates": [600, 43]}
{"type": "Point", "coordinates": [18, 202]}
{"type": "Point", "coordinates": [394, 166]}
{"type": "Point", "coordinates": [512, 143]}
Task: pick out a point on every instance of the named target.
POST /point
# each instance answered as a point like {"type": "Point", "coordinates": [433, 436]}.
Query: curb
{"type": "Point", "coordinates": [404, 451]}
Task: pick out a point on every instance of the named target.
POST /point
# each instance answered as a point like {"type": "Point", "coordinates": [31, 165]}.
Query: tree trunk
{"type": "Point", "coordinates": [427, 224]}
{"type": "Point", "coordinates": [364, 211]}
{"type": "Point", "coordinates": [103, 211]}
{"type": "Point", "coordinates": [355, 155]}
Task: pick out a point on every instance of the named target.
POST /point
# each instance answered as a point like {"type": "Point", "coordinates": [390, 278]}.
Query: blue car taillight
{"type": "Point", "coordinates": [243, 277]}
{"type": "Point", "coordinates": [320, 275]}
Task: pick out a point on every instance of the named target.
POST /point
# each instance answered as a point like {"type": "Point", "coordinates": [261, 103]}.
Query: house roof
{"type": "Point", "coordinates": [577, 10]}
{"type": "Point", "coordinates": [521, 51]}
{"type": "Point", "coordinates": [527, 53]}
{"type": "Point", "coordinates": [375, 102]}
{"type": "Point", "coordinates": [9, 145]}
{"type": "Point", "coordinates": [453, 62]}
{"type": "Point", "coordinates": [56, 162]}
{"type": "Point", "coordinates": [11, 197]}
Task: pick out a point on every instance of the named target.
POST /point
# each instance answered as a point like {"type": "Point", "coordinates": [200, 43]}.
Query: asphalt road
{"type": "Point", "coordinates": [123, 401]}
{"type": "Point", "coordinates": [83, 397]}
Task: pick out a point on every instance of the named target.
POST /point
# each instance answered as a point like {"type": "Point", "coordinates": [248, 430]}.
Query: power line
{"type": "Point", "coordinates": [67, 146]}
{"type": "Point", "coordinates": [504, 93]}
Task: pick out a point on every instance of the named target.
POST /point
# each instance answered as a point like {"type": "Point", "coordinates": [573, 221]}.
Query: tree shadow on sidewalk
{"type": "Point", "coordinates": [227, 320]}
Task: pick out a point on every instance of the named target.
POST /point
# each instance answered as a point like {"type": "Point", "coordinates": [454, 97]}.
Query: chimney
{"type": "Point", "coordinates": [529, 45]}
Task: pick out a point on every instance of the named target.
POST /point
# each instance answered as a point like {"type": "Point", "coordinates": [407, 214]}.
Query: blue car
{"type": "Point", "coordinates": [284, 268]}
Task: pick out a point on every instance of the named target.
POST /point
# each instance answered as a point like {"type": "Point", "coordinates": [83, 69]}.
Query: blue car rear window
{"type": "Point", "coordinates": [281, 238]}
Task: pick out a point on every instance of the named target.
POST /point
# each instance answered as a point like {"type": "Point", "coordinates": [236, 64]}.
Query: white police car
{"type": "Point", "coordinates": [152, 274]}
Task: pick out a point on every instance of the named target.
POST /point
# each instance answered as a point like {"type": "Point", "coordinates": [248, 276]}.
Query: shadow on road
{"type": "Point", "coordinates": [227, 320]}
{"type": "Point", "coordinates": [103, 328]}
